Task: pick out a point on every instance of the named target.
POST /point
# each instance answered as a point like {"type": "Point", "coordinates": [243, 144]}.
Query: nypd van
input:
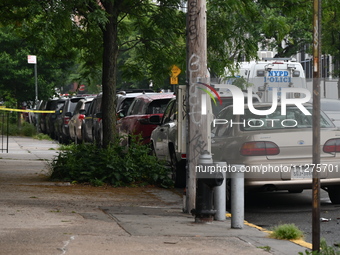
{"type": "Point", "coordinates": [265, 75]}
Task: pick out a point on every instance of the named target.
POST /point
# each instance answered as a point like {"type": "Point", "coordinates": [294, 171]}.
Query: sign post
{"type": "Point", "coordinates": [32, 59]}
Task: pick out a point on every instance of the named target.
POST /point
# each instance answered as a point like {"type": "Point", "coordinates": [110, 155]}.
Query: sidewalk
{"type": "Point", "coordinates": [40, 217]}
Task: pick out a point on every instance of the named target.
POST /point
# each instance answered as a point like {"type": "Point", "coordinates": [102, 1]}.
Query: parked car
{"type": "Point", "coordinates": [137, 119]}
{"type": "Point", "coordinates": [164, 141]}
{"type": "Point", "coordinates": [92, 121]}
{"type": "Point", "coordinates": [76, 123]}
{"type": "Point", "coordinates": [275, 151]}
{"type": "Point", "coordinates": [63, 116]}
{"type": "Point", "coordinates": [46, 118]}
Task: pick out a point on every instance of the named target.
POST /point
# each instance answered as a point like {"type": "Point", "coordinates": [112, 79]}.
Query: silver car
{"type": "Point", "coordinates": [275, 151]}
{"type": "Point", "coordinates": [76, 123]}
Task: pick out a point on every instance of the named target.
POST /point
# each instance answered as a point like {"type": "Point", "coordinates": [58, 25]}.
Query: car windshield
{"type": "Point", "coordinates": [226, 101]}
{"type": "Point", "coordinates": [294, 118]}
{"type": "Point", "coordinates": [157, 106]}
{"type": "Point", "coordinates": [330, 106]}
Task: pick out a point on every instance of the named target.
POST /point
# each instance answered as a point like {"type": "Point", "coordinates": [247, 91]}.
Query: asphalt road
{"type": "Point", "coordinates": [274, 208]}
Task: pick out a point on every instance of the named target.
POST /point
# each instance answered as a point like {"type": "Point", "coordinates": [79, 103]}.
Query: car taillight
{"type": "Point", "coordinates": [259, 149]}
{"type": "Point", "coordinates": [66, 120]}
{"type": "Point", "coordinates": [81, 116]}
{"type": "Point", "coordinates": [332, 145]}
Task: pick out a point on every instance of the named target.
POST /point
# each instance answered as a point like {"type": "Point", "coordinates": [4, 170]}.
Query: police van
{"type": "Point", "coordinates": [270, 73]}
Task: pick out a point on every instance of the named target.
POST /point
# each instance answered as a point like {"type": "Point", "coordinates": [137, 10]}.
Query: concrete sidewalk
{"type": "Point", "coordinates": [43, 217]}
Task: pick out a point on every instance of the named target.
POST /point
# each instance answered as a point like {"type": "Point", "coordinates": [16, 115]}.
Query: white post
{"type": "Point", "coordinates": [220, 194]}
{"type": "Point", "coordinates": [237, 198]}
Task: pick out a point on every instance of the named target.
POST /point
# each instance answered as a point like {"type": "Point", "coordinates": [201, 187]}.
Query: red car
{"type": "Point", "coordinates": [137, 120]}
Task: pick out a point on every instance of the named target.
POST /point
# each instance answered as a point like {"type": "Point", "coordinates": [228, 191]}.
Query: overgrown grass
{"type": "Point", "coordinates": [286, 231]}
{"type": "Point", "coordinates": [116, 166]}
{"type": "Point", "coordinates": [26, 129]}
{"type": "Point", "coordinates": [324, 250]}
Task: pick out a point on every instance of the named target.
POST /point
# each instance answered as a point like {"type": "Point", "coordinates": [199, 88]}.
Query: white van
{"type": "Point", "coordinates": [271, 73]}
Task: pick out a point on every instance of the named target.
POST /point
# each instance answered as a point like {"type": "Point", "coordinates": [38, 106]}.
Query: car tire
{"type": "Point", "coordinates": [334, 194]}
{"type": "Point", "coordinates": [178, 170]}
{"type": "Point", "coordinates": [295, 190]}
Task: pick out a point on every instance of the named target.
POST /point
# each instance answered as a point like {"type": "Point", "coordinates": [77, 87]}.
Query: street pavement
{"type": "Point", "coordinates": [41, 217]}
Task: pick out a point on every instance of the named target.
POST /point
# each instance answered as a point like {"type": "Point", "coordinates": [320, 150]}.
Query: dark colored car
{"type": "Point", "coordinates": [46, 118]}
{"type": "Point", "coordinates": [137, 120]}
{"type": "Point", "coordinates": [91, 121]}
{"type": "Point", "coordinates": [63, 116]}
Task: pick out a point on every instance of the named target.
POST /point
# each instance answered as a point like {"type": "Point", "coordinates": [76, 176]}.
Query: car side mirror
{"type": "Point", "coordinates": [155, 119]}
{"type": "Point", "coordinates": [120, 114]}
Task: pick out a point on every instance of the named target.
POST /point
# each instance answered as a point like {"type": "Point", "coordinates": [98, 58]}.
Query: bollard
{"type": "Point", "coordinates": [237, 197]}
{"type": "Point", "coordinates": [220, 194]}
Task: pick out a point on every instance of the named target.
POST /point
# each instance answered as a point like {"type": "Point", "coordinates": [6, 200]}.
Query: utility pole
{"type": "Point", "coordinates": [316, 124]}
{"type": "Point", "coordinates": [198, 112]}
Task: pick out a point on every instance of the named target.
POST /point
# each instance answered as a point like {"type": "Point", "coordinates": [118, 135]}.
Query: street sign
{"type": "Point", "coordinates": [32, 59]}
{"type": "Point", "coordinates": [81, 88]}
{"type": "Point", "coordinates": [173, 80]}
{"type": "Point", "coordinates": [175, 71]}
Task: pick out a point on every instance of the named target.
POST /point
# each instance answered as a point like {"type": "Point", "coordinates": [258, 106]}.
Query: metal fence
{"type": "Point", "coordinates": [4, 125]}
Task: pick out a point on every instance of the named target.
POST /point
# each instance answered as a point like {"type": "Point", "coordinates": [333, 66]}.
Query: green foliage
{"type": "Point", "coordinates": [26, 129]}
{"type": "Point", "coordinates": [324, 250]}
{"type": "Point", "coordinates": [286, 231]}
{"type": "Point", "coordinates": [41, 136]}
{"type": "Point", "coordinates": [115, 165]}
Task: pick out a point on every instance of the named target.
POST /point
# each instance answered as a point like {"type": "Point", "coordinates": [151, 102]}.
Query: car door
{"type": "Point", "coordinates": [221, 132]}
{"type": "Point", "coordinates": [161, 138]}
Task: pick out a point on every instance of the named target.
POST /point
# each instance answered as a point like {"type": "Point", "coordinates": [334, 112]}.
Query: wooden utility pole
{"type": "Point", "coordinates": [316, 123]}
{"type": "Point", "coordinates": [198, 112]}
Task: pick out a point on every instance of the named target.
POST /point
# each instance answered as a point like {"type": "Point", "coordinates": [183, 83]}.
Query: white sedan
{"type": "Point", "coordinates": [275, 150]}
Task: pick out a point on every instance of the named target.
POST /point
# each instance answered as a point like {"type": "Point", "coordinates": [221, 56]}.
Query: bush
{"type": "Point", "coordinates": [115, 165]}
{"type": "Point", "coordinates": [26, 129]}
{"type": "Point", "coordinates": [286, 231]}
{"type": "Point", "coordinates": [324, 249]}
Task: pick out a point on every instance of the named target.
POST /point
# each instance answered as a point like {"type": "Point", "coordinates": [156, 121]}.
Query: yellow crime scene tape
{"type": "Point", "coordinates": [3, 108]}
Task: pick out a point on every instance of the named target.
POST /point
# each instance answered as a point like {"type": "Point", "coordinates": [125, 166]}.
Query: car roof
{"type": "Point", "coordinates": [154, 96]}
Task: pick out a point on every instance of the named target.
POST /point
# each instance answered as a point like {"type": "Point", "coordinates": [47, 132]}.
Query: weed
{"type": "Point", "coordinates": [324, 250]}
{"type": "Point", "coordinates": [266, 248]}
{"type": "Point", "coordinates": [286, 231]}
{"type": "Point", "coordinates": [42, 136]}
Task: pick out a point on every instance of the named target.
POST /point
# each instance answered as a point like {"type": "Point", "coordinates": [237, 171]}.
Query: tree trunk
{"type": "Point", "coordinates": [110, 55]}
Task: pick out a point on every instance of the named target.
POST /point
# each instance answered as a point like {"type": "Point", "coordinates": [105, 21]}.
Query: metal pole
{"type": "Point", "coordinates": [316, 124]}
{"type": "Point", "coordinates": [237, 197]}
{"type": "Point", "coordinates": [220, 194]}
{"type": "Point", "coordinates": [36, 89]}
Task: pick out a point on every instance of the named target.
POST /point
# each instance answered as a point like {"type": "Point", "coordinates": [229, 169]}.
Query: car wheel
{"type": "Point", "coordinates": [334, 194]}
{"type": "Point", "coordinates": [84, 138]}
{"type": "Point", "coordinates": [152, 150]}
{"type": "Point", "coordinates": [178, 170]}
{"type": "Point", "coordinates": [295, 190]}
